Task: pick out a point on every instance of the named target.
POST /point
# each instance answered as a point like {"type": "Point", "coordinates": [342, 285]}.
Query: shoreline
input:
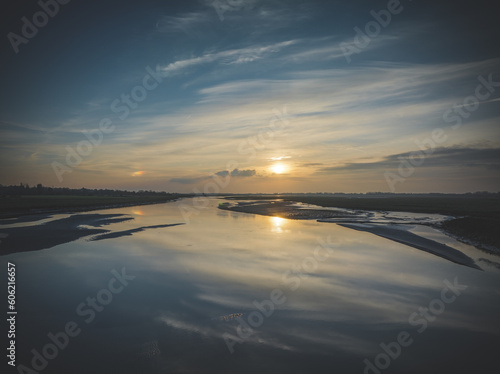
{"type": "Point", "coordinates": [89, 226]}
{"type": "Point", "coordinates": [11, 214]}
{"type": "Point", "coordinates": [415, 241]}
{"type": "Point", "coordinates": [379, 223]}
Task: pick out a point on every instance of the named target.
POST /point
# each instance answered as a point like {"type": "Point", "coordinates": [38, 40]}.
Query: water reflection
{"type": "Point", "coordinates": [277, 224]}
{"type": "Point", "coordinates": [192, 279]}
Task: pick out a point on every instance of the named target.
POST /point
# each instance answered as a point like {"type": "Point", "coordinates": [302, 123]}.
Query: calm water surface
{"type": "Point", "coordinates": [198, 286]}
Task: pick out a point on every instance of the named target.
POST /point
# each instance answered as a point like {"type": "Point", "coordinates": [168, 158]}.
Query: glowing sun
{"type": "Point", "coordinates": [279, 168]}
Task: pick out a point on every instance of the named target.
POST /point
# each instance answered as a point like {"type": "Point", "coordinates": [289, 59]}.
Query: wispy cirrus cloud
{"type": "Point", "coordinates": [228, 57]}
{"type": "Point", "coordinates": [186, 23]}
{"type": "Point", "coordinates": [252, 18]}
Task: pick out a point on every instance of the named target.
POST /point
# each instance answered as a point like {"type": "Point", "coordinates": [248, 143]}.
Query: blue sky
{"type": "Point", "coordinates": [264, 94]}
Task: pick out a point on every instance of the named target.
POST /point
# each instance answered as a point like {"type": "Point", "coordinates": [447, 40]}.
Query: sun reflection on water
{"type": "Point", "coordinates": [277, 224]}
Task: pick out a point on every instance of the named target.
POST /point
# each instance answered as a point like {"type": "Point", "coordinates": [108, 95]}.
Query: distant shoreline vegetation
{"type": "Point", "coordinates": [39, 189]}
{"type": "Point", "coordinates": [23, 200]}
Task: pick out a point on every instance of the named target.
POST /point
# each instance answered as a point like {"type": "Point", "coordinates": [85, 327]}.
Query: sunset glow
{"type": "Point", "coordinates": [279, 168]}
{"type": "Point", "coordinates": [300, 106]}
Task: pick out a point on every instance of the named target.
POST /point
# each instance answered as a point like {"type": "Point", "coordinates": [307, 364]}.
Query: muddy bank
{"type": "Point", "coordinates": [400, 235]}
{"type": "Point", "coordinates": [49, 234]}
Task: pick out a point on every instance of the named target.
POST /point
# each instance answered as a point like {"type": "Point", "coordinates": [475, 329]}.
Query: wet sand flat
{"type": "Point", "coordinates": [64, 230]}
{"type": "Point", "coordinates": [405, 237]}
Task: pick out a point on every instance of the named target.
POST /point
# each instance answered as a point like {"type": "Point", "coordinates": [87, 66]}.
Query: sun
{"type": "Point", "coordinates": [278, 168]}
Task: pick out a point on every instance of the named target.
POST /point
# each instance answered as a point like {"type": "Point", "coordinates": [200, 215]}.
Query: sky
{"type": "Point", "coordinates": [237, 96]}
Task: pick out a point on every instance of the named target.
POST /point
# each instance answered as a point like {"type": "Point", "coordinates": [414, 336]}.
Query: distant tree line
{"type": "Point", "coordinates": [39, 189]}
